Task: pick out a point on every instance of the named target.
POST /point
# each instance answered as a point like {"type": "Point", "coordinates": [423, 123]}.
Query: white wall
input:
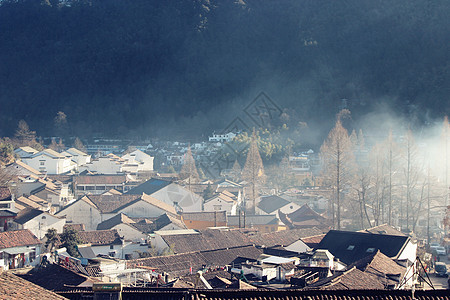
{"type": "Point", "coordinates": [39, 225]}
{"type": "Point", "coordinates": [81, 212]}
{"type": "Point", "coordinates": [129, 233]}
{"type": "Point", "coordinates": [229, 207]}
{"type": "Point", "coordinates": [103, 165]}
{"type": "Point", "coordinates": [142, 209]}
{"type": "Point", "coordinates": [298, 246]}
{"type": "Point", "coordinates": [188, 201]}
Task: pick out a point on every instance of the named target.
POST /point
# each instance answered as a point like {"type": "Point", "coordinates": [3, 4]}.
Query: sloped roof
{"type": "Point", "coordinates": [99, 237]}
{"type": "Point", "coordinates": [116, 220]}
{"type": "Point", "coordinates": [100, 179]}
{"type": "Point", "coordinates": [111, 203]}
{"type": "Point", "coordinates": [211, 216]}
{"type": "Point", "coordinates": [18, 238]}
{"type": "Point", "coordinates": [351, 246]}
{"type": "Point", "coordinates": [76, 152]}
{"type": "Point", "coordinates": [158, 203]}
{"type": "Point", "coordinates": [27, 202]}
{"type": "Point", "coordinates": [26, 167]}
{"type": "Point", "coordinates": [209, 239]}
{"type": "Point", "coordinates": [385, 269]}
{"type": "Point", "coordinates": [253, 220]}
{"type": "Point", "coordinates": [28, 149]}
{"type": "Point", "coordinates": [179, 264]}
{"type": "Point", "coordinates": [352, 279]}
{"type": "Point", "coordinates": [149, 187]}
{"type": "Point", "coordinates": [50, 152]}
{"type": "Point", "coordinates": [222, 196]}
{"type": "Point", "coordinates": [313, 241]}
{"type": "Point", "coordinates": [26, 215]}
{"type": "Point", "coordinates": [269, 204]}
{"type": "Point", "coordinates": [5, 193]}
{"type": "Point", "coordinates": [55, 277]}
{"type": "Point", "coordinates": [14, 287]}
{"type": "Point", "coordinates": [384, 229]}
{"type": "Point", "coordinates": [283, 237]}
{"type": "Point", "coordinates": [159, 223]}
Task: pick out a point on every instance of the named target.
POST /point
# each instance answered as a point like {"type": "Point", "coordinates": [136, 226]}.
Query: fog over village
{"type": "Point", "coordinates": [224, 150]}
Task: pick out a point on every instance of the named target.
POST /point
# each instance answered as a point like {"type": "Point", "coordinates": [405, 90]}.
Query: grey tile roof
{"type": "Point", "coordinates": [270, 204]}
{"type": "Point", "coordinates": [149, 187]}
{"type": "Point", "coordinates": [284, 237]}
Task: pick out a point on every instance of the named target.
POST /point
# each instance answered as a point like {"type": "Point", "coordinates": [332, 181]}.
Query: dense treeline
{"type": "Point", "coordinates": [121, 67]}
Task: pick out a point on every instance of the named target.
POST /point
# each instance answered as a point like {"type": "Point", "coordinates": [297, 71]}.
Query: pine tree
{"type": "Point", "coordinates": [338, 165]}
{"type": "Point", "coordinates": [70, 241]}
{"type": "Point", "coordinates": [253, 171]}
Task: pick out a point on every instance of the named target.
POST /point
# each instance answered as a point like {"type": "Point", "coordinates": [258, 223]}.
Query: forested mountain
{"type": "Point", "coordinates": [156, 67]}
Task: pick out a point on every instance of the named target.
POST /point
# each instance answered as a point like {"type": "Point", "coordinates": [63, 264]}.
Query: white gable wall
{"type": "Point", "coordinates": [218, 204]}
{"type": "Point", "coordinates": [142, 209]}
{"type": "Point", "coordinates": [188, 201]}
{"type": "Point", "coordinates": [40, 224]}
{"type": "Point", "coordinates": [81, 212]}
{"type": "Point", "coordinates": [129, 233]}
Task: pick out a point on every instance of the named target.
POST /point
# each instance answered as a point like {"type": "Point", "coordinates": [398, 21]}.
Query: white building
{"type": "Point", "coordinates": [50, 162]}
{"type": "Point", "coordinates": [226, 137]}
{"type": "Point", "coordinates": [137, 161]}
{"type": "Point", "coordinates": [38, 222]}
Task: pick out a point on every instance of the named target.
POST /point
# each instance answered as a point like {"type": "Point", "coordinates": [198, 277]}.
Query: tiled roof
{"type": "Point", "coordinates": [304, 217]}
{"type": "Point", "coordinates": [76, 227]}
{"type": "Point", "coordinates": [76, 151]}
{"type": "Point", "coordinates": [339, 242]}
{"type": "Point", "coordinates": [179, 264]}
{"type": "Point", "coordinates": [55, 278]}
{"type": "Point", "coordinates": [384, 229]}
{"type": "Point", "coordinates": [14, 287]}
{"type": "Point", "coordinates": [313, 241]}
{"type": "Point", "coordinates": [149, 187]}
{"type": "Point", "coordinates": [100, 179]}
{"type": "Point", "coordinates": [352, 279]}
{"type": "Point", "coordinates": [253, 220]}
{"type": "Point", "coordinates": [99, 237]}
{"type": "Point", "coordinates": [269, 204]}
{"type": "Point", "coordinates": [26, 215]}
{"type": "Point", "coordinates": [116, 220]}
{"type": "Point", "coordinates": [26, 167]}
{"type": "Point", "coordinates": [283, 237]}
{"type": "Point", "coordinates": [158, 203]}
{"type": "Point", "coordinates": [17, 238]}
{"type": "Point", "coordinates": [5, 193]}
{"type": "Point", "coordinates": [111, 203]}
{"type": "Point", "coordinates": [219, 216]}
{"type": "Point", "coordinates": [27, 202]}
{"type": "Point", "coordinates": [222, 197]}
{"type": "Point", "coordinates": [159, 223]}
{"type": "Point", "coordinates": [209, 239]}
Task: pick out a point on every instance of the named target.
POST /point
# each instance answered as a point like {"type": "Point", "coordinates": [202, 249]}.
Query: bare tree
{"type": "Point", "coordinates": [26, 137]}
{"type": "Point", "coordinates": [78, 144]}
{"type": "Point", "coordinates": [338, 165]}
{"type": "Point", "coordinates": [253, 171]}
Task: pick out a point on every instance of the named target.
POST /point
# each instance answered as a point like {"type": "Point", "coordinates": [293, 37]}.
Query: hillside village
{"type": "Point", "coordinates": [71, 220]}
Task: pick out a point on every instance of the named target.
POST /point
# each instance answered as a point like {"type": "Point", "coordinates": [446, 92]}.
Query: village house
{"type": "Point", "coordinates": [25, 152]}
{"type": "Point", "coordinates": [19, 248]}
{"type": "Point", "coordinates": [304, 217]}
{"type": "Point", "coordinates": [171, 193]}
{"type": "Point", "coordinates": [79, 157]}
{"type": "Point", "coordinates": [38, 222]}
{"type": "Point", "coordinates": [221, 202]}
{"type": "Point", "coordinates": [137, 162]}
{"type": "Point", "coordinates": [92, 210]}
{"type": "Point", "coordinates": [49, 161]}
{"type": "Point", "coordinates": [269, 267]}
{"type": "Point", "coordinates": [19, 168]}
{"type": "Point", "coordinates": [204, 220]}
{"type": "Point", "coordinates": [269, 205]}
{"type": "Point", "coordinates": [7, 208]}
{"type": "Point", "coordinates": [262, 223]}
{"type": "Point", "coordinates": [108, 164]}
{"type": "Point", "coordinates": [99, 184]}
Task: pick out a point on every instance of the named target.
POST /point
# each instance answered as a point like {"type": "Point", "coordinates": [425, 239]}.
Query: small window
{"type": "Point", "coordinates": [370, 250]}
{"type": "Point", "coordinates": [351, 247]}
{"type": "Point", "coordinates": [111, 246]}
{"type": "Point", "coordinates": [42, 162]}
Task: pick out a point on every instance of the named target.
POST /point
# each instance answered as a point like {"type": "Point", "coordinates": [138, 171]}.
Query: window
{"type": "Point", "coordinates": [90, 188]}
{"type": "Point", "coordinates": [217, 207]}
{"type": "Point", "coordinates": [4, 205]}
{"type": "Point", "coordinates": [111, 247]}
{"type": "Point", "coordinates": [351, 247]}
{"type": "Point", "coordinates": [42, 162]}
{"type": "Point", "coordinates": [370, 250]}
{"type": "Point", "coordinates": [32, 256]}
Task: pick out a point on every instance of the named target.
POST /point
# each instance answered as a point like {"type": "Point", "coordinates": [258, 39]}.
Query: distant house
{"type": "Point", "coordinates": [268, 205]}
{"type": "Point", "coordinates": [7, 209]}
{"type": "Point", "coordinates": [205, 219]}
{"type": "Point", "coordinates": [91, 210]}
{"type": "Point", "coordinates": [19, 168]}
{"type": "Point", "coordinates": [25, 152]}
{"type": "Point", "coordinates": [38, 222]}
{"type": "Point", "coordinates": [171, 193]}
{"type": "Point", "coordinates": [98, 184]}
{"type": "Point", "coordinates": [182, 241]}
{"type": "Point", "coordinates": [221, 202]}
{"type": "Point", "coordinates": [269, 267]}
{"type": "Point", "coordinates": [224, 137]}
{"type": "Point", "coordinates": [137, 162]}
{"type": "Point", "coordinates": [50, 162]}
{"type": "Point", "coordinates": [19, 248]}
{"type": "Point", "coordinates": [304, 217]}
{"type": "Point", "coordinates": [263, 223]}
{"type": "Point", "coordinates": [79, 157]}
{"type": "Point", "coordinates": [350, 246]}
{"type": "Point", "coordinates": [108, 164]}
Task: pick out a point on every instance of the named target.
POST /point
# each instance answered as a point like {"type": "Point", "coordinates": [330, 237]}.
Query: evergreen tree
{"type": "Point", "coordinates": [70, 240]}
{"type": "Point", "coordinates": [78, 144]}
{"type": "Point", "coordinates": [253, 171]}
{"type": "Point", "coordinates": [189, 170]}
